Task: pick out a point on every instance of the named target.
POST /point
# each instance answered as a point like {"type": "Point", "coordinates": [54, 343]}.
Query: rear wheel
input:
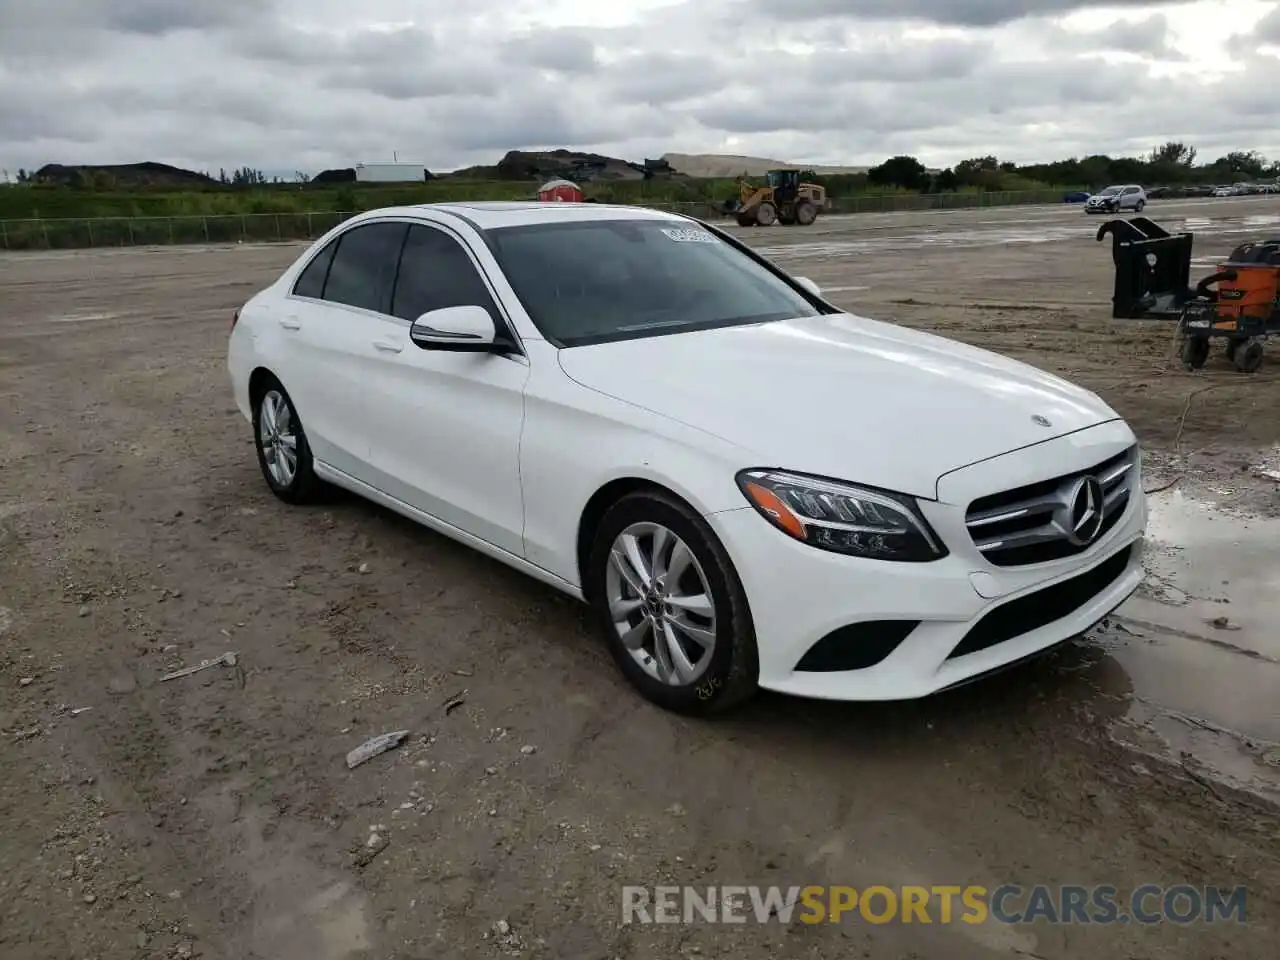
{"type": "Point", "coordinates": [1138, 207]}
{"type": "Point", "coordinates": [766, 214]}
{"type": "Point", "coordinates": [671, 607]}
{"type": "Point", "coordinates": [1248, 356]}
{"type": "Point", "coordinates": [284, 455]}
{"type": "Point", "coordinates": [806, 213]}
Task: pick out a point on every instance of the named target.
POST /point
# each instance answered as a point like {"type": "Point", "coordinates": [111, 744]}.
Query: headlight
{"type": "Point", "coordinates": [841, 517]}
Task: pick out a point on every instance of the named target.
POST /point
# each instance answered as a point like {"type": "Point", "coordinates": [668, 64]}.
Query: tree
{"type": "Point", "coordinates": [1243, 163]}
{"type": "Point", "coordinates": [982, 172]}
{"type": "Point", "coordinates": [901, 171]}
{"type": "Point", "coordinates": [946, 182]}
{"type": "Point", "coordinates": [1173, 153]}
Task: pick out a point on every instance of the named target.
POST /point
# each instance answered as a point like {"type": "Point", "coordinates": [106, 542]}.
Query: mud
{"type": "Point", "coordinates": [214, 815]}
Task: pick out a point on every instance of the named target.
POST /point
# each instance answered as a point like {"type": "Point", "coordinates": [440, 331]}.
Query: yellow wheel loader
{"type": "Point", "coordinates": [784, 199]}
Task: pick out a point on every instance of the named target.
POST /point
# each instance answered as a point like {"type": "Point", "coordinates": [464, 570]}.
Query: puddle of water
{"type": "Point", "coordinates": [1204, 693]}
{"type": "Point", "coordinates": [1204, 563]}
{"type": "Point", "coordinates": [82, 317]}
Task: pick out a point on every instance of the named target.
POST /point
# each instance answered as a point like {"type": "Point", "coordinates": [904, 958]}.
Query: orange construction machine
{"type": "Point", "coordinates": [1239, 303]}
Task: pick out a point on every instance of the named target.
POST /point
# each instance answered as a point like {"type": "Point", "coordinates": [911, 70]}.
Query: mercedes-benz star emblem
{"type": "Point", "coordinates": [1084, 519]}
{"type": "Point", "coordinates": [1042, 421]}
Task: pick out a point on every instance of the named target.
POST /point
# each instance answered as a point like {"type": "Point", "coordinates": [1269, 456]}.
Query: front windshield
{"type": "Point", "coordinates": [592, 281]}
{"type": "Point", "coordinates": [1110, 191]}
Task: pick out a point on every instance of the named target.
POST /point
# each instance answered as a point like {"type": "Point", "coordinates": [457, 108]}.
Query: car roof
{"type": "Point", "coordinates": [492, 214]}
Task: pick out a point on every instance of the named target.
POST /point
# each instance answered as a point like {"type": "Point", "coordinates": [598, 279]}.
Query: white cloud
{"type": "Point", "coordinates": [281, 84]}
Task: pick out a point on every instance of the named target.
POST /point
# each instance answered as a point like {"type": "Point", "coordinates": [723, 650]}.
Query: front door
{"type": "Point", "coordinates": [444, 428]}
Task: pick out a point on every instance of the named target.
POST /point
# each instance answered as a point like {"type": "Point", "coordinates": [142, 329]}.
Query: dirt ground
{"type": "Point", "coordinates": [213, 816]}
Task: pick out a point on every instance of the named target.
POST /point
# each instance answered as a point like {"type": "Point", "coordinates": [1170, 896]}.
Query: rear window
{"type": "Point", "coordinates": [594, 281]}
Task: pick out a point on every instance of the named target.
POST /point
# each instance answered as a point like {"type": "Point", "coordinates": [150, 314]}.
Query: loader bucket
{"type": "Point", "coordinates": [1153, 269]}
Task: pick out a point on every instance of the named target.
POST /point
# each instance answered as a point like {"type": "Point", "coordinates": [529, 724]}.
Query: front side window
{"type": "Point", "coordinates": [364, 266]}
{"type": "Point", "coordinates": [436, 272]}
{"type": "Point", "coordinates": [594, 281]}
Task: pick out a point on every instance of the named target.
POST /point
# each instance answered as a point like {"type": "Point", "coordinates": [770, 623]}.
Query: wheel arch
{"type": "Point", "coordinates": [258, 380]}
{"type": "Point", "coordinates": [598, 504]}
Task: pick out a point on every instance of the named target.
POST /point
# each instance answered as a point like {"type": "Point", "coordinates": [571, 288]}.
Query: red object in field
{"type": "Point", "coordinates": [560, 191]}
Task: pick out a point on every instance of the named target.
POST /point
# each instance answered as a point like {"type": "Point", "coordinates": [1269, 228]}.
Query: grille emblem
{"type": "Point", "coordinates": [1042, 421]}
{"type": "Point", "coordinates": [1083, 513]}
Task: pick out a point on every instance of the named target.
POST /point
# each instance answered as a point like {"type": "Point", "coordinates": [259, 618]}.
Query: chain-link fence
{"type": "Point", "coordinates": [270, 227]}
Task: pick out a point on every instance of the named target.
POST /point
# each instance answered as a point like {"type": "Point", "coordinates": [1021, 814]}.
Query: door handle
{"type": "Point", "coordinates": [290, 323]}
{"type": "Point", "coordinates": [388, 346]}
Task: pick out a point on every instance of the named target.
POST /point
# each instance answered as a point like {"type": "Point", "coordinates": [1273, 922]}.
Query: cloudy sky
{"type": "Point", "coordinates": [309, 84]}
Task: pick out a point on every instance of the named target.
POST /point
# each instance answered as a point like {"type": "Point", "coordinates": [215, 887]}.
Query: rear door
{"type": "Point", "coordinates": [333, 326]}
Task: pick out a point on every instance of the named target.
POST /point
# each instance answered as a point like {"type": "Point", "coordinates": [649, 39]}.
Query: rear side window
{"type": "Point", "coordinates": [435, 272]}
{"type": "Point", "coordinates": [363, 271]}
{"type": "Point", "coordinates": [311, 281]}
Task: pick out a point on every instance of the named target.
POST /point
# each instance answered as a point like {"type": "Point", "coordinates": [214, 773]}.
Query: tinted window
{"type": "Point", "coordinates": [592, 281]}
{"type": "Point", "coordinates": [364, 268]}
{"type": "Point", "coordinates": [311, 280]}
{"type": "Point", "coordinates": [435, 272]}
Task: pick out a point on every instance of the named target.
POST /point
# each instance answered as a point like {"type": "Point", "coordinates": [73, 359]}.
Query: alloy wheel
{"type": "Point", "coordinates": [661, 604]}
{"type": "Point", "coordinates": [278, 438]}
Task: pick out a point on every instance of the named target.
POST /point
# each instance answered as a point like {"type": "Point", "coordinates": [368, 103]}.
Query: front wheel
{"type": "Point", "coordinates": [1195, 351]}
{"type": "Point", "coordinates": [671, 607]}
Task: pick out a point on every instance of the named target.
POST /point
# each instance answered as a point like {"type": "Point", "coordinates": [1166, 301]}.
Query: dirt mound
{"type": "Point", "coordinates": [570, 164]}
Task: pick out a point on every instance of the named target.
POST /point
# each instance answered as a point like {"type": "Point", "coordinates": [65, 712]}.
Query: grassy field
{"type": "Point", "coordinates": [41, 217]}
{"type": "Point", "coordinates": [23, 202]}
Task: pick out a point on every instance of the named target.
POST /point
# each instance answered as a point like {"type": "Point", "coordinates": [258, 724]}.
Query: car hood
{"type": "Point", "coordinates": [841, 396]}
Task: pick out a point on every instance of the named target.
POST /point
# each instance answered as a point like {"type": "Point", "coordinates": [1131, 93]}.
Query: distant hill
{"type": "Point", "coordinates": [122, 175]}
{"type": "Point", "coordinates": [727, 165]}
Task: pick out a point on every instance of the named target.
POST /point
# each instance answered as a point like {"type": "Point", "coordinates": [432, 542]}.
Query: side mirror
{"type": "Point", "coordinates": [809, 285]}
{"type": "Point", "coordinates": [461, 329]}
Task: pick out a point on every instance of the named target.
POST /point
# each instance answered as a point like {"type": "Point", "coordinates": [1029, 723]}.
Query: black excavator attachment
{"type": "Point", "coordinates": [1153, 269]}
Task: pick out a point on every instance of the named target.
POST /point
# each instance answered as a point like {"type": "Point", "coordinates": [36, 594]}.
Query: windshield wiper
{"type": "Point", "coordinates": [649, 325]}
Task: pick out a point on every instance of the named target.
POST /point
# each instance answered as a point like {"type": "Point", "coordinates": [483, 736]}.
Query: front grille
{"type": "Point", "coordinates": [1043, 607]}
{"type": "Point", "coordinates": [1034, 523]}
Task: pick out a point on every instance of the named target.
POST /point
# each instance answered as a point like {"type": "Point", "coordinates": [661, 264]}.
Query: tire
{"type": "Point", "coordinates": [1232, 346]}
{"type": "Point", "coordinates": [274, 416]}
{"type": "Point", "coordinates": [1195, 351]}
{"type": "Point", "coordinates": [766, 214]}
{"type": "Point", "coordinates": [746, 220]}
{"type": "Point", "coordinates": [1248, 356]}
{"type": "Point", "coordinates": [724, 674]}
{"type": "Point", "coordinates": [806, 213]}
{"type": "Point", "coordinates": [1138, 207]}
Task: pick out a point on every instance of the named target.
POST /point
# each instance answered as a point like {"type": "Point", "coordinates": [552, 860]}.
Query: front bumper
{"type": "Point", "coordinates": [799, 595]}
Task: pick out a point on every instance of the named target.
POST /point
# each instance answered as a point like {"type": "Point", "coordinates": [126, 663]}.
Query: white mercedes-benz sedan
{"type": "Point", "coordinates": [750, 486]}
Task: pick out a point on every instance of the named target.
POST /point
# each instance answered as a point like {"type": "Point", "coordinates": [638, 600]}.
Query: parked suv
{"type": "Point", "coordinates": [1114, 199]}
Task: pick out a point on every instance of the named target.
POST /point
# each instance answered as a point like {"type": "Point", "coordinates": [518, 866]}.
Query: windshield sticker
{"type": "Point", "coordinates": [690, 236]}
